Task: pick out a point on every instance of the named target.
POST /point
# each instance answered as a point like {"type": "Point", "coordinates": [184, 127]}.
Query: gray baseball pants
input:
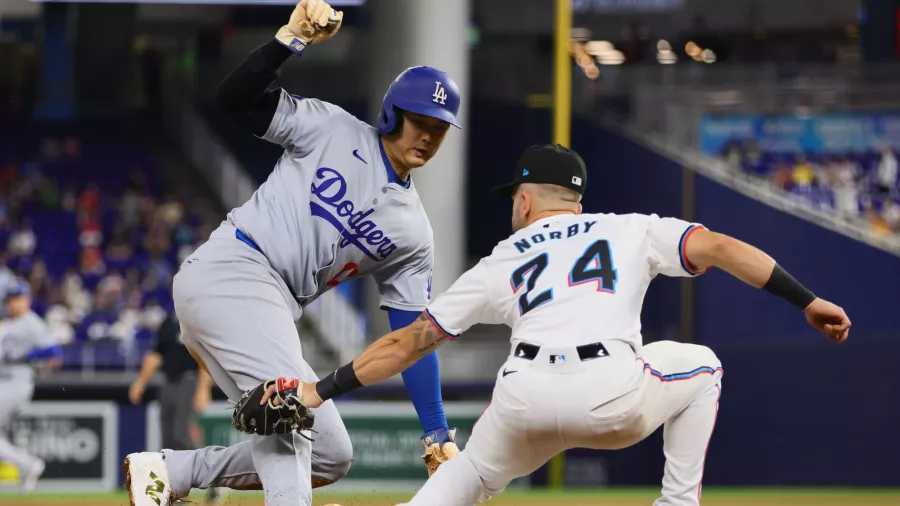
{"type": "Point", "coordinates": [238, 318]}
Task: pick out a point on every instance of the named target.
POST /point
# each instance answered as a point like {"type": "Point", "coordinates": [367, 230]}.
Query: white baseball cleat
{"type": "Point", "coordinates": [30, 478]}
{"type": "Point", "coordinates": [147, 480]}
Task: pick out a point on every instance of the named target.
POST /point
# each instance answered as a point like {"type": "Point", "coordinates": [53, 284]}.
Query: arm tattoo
{"type": "Point", "coordinates": [426, 336]}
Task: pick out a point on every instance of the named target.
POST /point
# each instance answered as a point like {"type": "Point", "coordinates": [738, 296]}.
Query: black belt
{"type": "Point", "coordinates": [585, 352]}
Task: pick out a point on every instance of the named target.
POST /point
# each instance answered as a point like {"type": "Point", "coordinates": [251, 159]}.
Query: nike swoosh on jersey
{"type": "Point", "coordinates": [507, 373]}
{"type": "Point", "coordinates": [356, 154]}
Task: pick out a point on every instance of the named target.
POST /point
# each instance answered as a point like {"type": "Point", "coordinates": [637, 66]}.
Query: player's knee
{"type": "Point", "coordinates": [492, 488]}
{"type": "Point", "coordinates": [491, 480]}
{"type": "Point", "coordinates": [707, 357]}
{"type": "Point", "coordinates": [343, 458]}
{"type": "Point", "coordinates": [336, 464]}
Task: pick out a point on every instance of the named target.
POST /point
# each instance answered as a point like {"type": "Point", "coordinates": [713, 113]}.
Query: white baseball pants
{"type": "Point", "coordinates": [607, 403]}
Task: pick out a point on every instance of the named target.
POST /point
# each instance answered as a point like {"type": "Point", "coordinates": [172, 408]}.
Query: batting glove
{"type": "Point", "coordinates": [440, 446]}
{"type": "Point", "coordinates": [312, 22]}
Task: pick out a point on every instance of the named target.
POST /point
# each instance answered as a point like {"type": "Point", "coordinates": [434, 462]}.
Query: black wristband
{"type": "Point", "coordinates": [784, 285]}
{"type": "Point", "coordinates": [339, 382]}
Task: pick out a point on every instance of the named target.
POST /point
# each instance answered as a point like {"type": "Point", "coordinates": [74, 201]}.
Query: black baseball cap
{"type": "Point", "coordinates": [549, 164]}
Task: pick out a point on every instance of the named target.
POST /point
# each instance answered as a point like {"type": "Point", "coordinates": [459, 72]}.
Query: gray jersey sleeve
{"type": "Point", "coordinates": [300, 124]}
{"type": "Point", "coordinates": [407, 285]}
{"type": "Point", "coordinates": [25, 334]}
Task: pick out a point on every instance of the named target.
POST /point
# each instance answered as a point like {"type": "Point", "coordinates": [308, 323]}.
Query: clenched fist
{"type": "Point", "coordinates": [828, 318]}
{"type": "Point", "coordinates": [312, 22]}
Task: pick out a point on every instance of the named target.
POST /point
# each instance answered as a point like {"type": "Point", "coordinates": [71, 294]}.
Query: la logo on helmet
{"type": "Point", "coordinates": [440, 95]}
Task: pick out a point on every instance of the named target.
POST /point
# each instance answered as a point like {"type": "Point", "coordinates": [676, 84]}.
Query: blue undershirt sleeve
{"type": "Point", "coordinates": [422, 380]}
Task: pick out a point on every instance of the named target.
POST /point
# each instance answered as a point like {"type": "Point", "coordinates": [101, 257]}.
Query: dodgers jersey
{"type": "Point", "coordinates": [334, 208]}
{"type": "Point", "coordinates": [19, 337]}
{"type": "Point", "coordinates": [568, 280]}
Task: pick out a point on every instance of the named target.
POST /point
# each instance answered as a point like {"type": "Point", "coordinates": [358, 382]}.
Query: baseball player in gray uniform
{"type": "Point", "coordinates": [8, 281]}
{"type": "Point", "coordinates": [25, 341]}
{"type": "Point", "coordinates": [338, 205]}
{"type": "Point", "coordinates": [571, 287]}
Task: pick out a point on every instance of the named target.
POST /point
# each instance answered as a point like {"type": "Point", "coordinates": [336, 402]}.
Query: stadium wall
{"type": "Point", "coordinates": [794, 407]}
{"type": "Point", "coordinates": [626, 177]}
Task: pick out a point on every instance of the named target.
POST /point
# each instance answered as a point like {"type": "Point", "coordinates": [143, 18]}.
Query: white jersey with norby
{"type": "Point", "coordinates": [568, 280]}
{"type": "Point", "coordinates": [333, 209]}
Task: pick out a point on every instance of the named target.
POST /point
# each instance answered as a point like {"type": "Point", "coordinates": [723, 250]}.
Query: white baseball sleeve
{"type": "Point", "coordinates": [668, 237]}
{"type": "Point", "coordinates": [464, 304]}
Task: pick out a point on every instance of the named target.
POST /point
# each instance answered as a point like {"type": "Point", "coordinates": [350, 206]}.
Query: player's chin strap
{"type": "Point", "coordinates": [440, 446]}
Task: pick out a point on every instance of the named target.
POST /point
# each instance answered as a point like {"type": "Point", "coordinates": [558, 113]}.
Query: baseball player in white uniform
{"type": "Point", "coordinates": [339, 204]}
{"type": "Point", "coordinates": [571, 286]}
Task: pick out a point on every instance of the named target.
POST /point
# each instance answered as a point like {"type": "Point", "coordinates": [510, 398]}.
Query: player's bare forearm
{"type": "Point", "coordinates": [754, 267]}
{"type": "Point", "coordinates": [151, 363]}
{"type": "Point", "coordinates": [204, 381]}
{"type": "Point", "coordinates": [203, 393]}
{"type": "Point", "coordinates": [384, 358]}
{"type": "Point", "coordinates": [395, 352]}
{"type": "Point", "coordinates": [749, 264]}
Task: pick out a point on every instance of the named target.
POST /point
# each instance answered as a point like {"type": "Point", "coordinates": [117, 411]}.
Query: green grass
{"type": "Point", "coordinates": [713, 496]}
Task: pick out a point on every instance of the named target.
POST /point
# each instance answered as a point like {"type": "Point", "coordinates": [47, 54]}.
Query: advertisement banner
{"type": "Point", "coordinates": [385, 435]}
{"type": "Point", "coordinates": [831, 133]}
{"type": "Point", "coordinates": [77, 440]}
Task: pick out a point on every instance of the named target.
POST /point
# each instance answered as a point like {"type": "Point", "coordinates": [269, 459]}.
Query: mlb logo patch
{"type": "Point", "coordinates": [557, 359]}
{"type": "Point", "coordinates": [298, 45]}
{"type": "Point", "coordinates": [576, 180]}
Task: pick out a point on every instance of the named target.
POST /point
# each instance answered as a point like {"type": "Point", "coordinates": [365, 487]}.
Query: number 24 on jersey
{"type": "Point", "coordinates": [594, 265]}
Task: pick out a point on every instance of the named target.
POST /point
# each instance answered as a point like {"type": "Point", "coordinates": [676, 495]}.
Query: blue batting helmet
{"type": "Point", "coordinates": [422, 90]}
{"type": "Point", "coordinates": [18, 288]}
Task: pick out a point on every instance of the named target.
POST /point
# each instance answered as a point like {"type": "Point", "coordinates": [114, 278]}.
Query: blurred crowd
{"type": "Point", "coordinates": [99, 262]}
{"type": "Point", "coordinates": [859, 187]}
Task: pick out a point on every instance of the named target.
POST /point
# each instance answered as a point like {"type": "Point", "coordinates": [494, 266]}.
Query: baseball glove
{"type": "Point", "coordinates": [288, 416]}
{"type": "Point", "coordinates": [440, 446]}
